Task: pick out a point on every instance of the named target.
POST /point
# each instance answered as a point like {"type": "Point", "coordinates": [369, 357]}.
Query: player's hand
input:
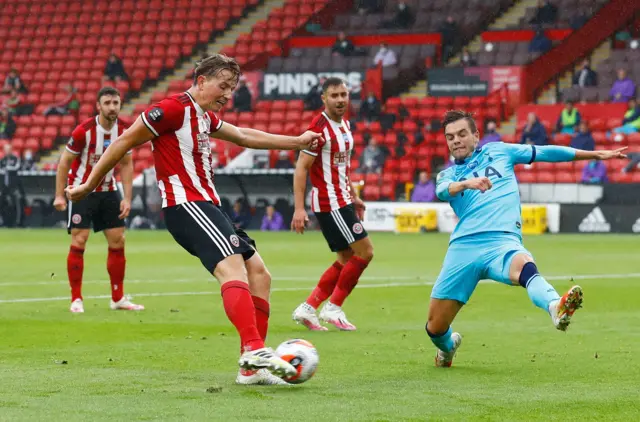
{"type": "Point", "coordinates": [60, 203]}
{"type": "Point", "coordinates": [125, 209]}
{"type": "Point", "coordinates": [608, 155]}
{"type": "Point", "coordinates": [309, 140]}
{"type": "Point", "coordinates": [358, 204]}
{"type": "Point", "coordinates": [299, 221]}
{"type": "Point", "coordinates": [482, 184]}
{"type": "Point", "coordinates": [76, 193]}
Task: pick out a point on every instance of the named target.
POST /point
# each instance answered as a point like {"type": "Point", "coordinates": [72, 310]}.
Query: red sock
{"type": "Point", "coordinates": [115, 267]}
{"type": "Point", "coordinates": [242, 313]}
{"type": "Point", "coordinates": [262, 316]}
{"type": "Point", "coordinates": [325, 286]}
{"type": "Point", "coordinates": [75, 267]}
{"type": "Point", "coordinates": [348, 279]}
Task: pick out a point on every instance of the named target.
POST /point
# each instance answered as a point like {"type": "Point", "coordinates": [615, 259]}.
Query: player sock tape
{"type": "Point", "coordinates": [528, 272]}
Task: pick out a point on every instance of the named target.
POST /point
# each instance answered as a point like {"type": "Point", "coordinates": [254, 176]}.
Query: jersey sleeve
{"type": "Point", "coordinates": [519, 154]}
{"type": "Point", "coordinates": [77, 141]}
{"type": "Point", "coordinates": [216, 122]}
{"type": "Point", "coordinates": [443, 181]}
{"type": "Point", "coordinates": [164, 117]}
{"type": "Point", "coordinates": [316, 127]}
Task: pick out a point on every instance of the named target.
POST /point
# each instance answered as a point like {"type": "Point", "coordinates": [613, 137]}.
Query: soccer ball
{"type": "Point", "coordinates": [302, 355]}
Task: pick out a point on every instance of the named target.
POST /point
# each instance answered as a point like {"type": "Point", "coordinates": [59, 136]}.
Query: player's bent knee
{"type": "Point", "coordinates": [79, 239]}
{"type": "Point", "coordinates": [117, 242]}
{"type": "Point", "coordinates": [260, 282]}
{"type": "Point", "coordinates": [517, 270]}
{"type": "Point", "coordinates": [231, 268]}
{"type": "Point", "coordinates": [364, 250]}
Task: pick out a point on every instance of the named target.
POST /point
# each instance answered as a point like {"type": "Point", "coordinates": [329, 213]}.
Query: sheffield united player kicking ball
{"type": "Point", "coordinates": [337, 208]}
{"type": "Point", "coordinates": [103, 208]}
{"type": "Point", "coordinates": [179, 128]}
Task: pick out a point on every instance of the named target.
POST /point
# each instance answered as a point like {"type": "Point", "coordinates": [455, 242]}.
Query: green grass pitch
{"type": "Point", "coordinates": [159, 364]}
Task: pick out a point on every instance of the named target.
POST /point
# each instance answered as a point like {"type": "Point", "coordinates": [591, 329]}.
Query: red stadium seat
{"type": "Point", "coordinates": [371, 192]}
{"type": "Point", "coordinates": [388, 192]}
{"type": "Point", "coordinates": [526, 177]}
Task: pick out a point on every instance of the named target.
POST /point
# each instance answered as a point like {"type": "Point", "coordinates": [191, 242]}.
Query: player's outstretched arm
{"type": "Point", "coordinates": [300, 218]}
{"type": "Point", "coordinates": [600, 155]}
{"type": "Point", "coordinates": [256, 139]}
{"type": "Point", "coordinates": [136, 135]}
{"type": "Point", "coordinates": [558, 154]}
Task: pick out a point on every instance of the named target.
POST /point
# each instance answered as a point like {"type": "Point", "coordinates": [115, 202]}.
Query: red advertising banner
{"type": "Point", "coordinates": [512, 77]}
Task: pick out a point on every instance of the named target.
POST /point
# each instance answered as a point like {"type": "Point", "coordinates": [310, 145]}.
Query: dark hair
{"type": "Point", "coordinates": [212, 65]}
{"type": "Point", "coordinates": [108, 90]}
{"type": "Point", "coordinates": [332, 81]}
{"type": "Point", "coordinates": [455, 115]}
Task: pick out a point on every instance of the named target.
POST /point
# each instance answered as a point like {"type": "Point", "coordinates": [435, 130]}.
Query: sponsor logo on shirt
{"type": "Point", "coordinates": [203, 142]}
{"type": "Point", "coordinates": [340, 158]}
{"type": "Point", "coordinates": [155, 114]}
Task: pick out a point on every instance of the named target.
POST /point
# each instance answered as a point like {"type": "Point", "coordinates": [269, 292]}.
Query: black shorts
{"type": "Point", "coordinates": [203, 230]}
{"type": "Point", "coordinates": [244, 236]}
{"type": "Point", "coordinates": [100, 209]}
{"type": "Point", "coordinates": [341, 227]}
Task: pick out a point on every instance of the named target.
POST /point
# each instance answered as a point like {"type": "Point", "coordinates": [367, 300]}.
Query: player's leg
{"type": "Point", "coordinates": [442, 312]}
{"type": "Point", "coordinates": [329, 279]}
{"type": "Point", "coordinates": [524, 272]}
{"type": "Point", "coordinates": [116, 266]}
{"type": "Point", "coordinates": [454, 286]}
{"type": "Point", "coordinates": [361, 254]}
{"type": "Point", "coordinates": [78, 225]}
{"type": "Point", "coordinates": [260, 288]}
{"type": "Point", "coordinates": [75, 267]}
{"type": "Point", "coordinates": [203, 230]}
{"type": "Point", "coordinates": [106, 218]}
{"type": "Point", "coordinates": [354, 239]}
{"type": "Point", "coordinates": [305, 313]}
{"type": "Point", "coordinates": [259, 279]}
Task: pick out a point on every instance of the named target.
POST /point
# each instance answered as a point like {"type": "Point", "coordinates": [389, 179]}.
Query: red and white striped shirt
{"type": "Point", "coordinates": [89, 141]}
{"type": "Point", "coordinates": [182, 149]}
{"type": "Point", "coordinates": [330, 172]}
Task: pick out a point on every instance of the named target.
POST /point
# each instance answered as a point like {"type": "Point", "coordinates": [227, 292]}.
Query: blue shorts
{"type": "Point", "coordinates": [473, 258]}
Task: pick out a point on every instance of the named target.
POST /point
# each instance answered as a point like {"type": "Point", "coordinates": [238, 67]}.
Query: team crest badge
{"type": "Point", "coordinates": [357, 228]}
{"type": "Point", "coordinates": [234, 240]}
{"type": "Point", "coordinates": [76, 219]}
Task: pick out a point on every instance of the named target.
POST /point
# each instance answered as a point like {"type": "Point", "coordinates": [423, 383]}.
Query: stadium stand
{"type": "Point", "coordinates": [68, 42]}
{"type": "Point", "coordinates": [472, 16]}
{"type": "Point", "coordinates": [77, 53]}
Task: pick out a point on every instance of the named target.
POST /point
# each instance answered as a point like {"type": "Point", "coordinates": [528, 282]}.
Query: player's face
{"type": "Point", "coordinates": [460, 140]}
{"type": "Point", "coordinates": [217, 90]}
{"type": "Point", "coordinates": [336, 100]}
{"type": "Point", "coordinates": [109, 107]}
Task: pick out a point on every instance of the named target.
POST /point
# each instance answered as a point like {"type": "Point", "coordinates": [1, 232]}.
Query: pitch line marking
{"type": "Point", "coordinates": [298, 279]}
{"type": "Point", "coordinates": [306, 288]}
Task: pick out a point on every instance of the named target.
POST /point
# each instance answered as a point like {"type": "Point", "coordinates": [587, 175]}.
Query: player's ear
{"type": "Point", "coordinates": [200, 80]}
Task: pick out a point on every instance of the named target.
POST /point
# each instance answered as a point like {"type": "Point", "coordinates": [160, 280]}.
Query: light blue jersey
{"type": "Point", "coordinates": [498, 209]}
{"type": "Point", "coordinates": [489, 231]}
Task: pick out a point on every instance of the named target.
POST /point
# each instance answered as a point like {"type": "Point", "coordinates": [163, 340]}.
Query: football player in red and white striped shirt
{"type": "Point", "coordinates": [103, 208]}
{"type": "Point", "coordinates": [179, 128]}
{"type": "Point", "coordinates": [337, 207]}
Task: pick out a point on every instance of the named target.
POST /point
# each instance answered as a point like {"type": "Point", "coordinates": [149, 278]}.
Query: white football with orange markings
{"type": "Point", "coordinates": [302, 355]}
